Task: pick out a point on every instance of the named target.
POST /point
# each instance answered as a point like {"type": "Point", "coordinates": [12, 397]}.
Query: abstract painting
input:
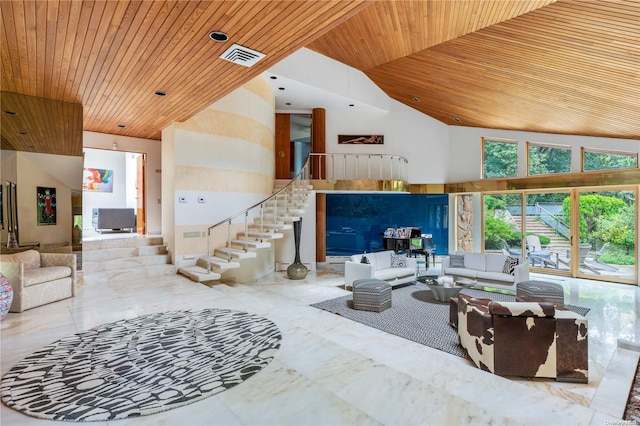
{"type": "Point", "coordinates": [46, 206]}
{"type": "Point", "coordinates": [97, 180]}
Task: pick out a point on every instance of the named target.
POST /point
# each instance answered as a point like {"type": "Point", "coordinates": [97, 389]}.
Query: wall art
{"type": "Point", "coordinates": [361, 139]}
{"type": "Point", "coordinates": [46, 206]}
{"type": "Point", "coordinates": [97, 180]}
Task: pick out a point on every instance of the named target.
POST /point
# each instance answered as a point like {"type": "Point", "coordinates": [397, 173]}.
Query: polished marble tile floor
{"type": "Point", "coordinates": [332, 371]}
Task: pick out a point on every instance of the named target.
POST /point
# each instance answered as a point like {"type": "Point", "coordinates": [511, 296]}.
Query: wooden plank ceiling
{"type": "Point", "coordinates": [568, 67]}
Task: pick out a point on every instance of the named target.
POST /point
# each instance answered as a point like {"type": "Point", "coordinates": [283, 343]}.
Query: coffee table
{"type": "Point", "coordinates": [442, 293]}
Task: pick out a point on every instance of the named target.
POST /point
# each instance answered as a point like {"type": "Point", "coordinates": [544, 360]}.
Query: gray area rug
{"type": "Point", "coordinates": [415, 315]}
{"type": "Point", "coordinates": [141, 366]}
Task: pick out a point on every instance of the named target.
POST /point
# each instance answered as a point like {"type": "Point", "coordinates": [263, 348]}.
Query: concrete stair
{"type": "Point", "coordinates": [558, 243]}
{"type": "Point", "coordinates": [125, 258]}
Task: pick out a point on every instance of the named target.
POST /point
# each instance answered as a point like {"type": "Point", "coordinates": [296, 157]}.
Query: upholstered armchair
{"type": "Point", "coordinates": [39, 278]}
{"type": "Point", "coordinates": [529, 339]}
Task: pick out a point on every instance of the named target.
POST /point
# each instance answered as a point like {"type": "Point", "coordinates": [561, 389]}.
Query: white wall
{"type": "Point", "coordinates": [152, 149]}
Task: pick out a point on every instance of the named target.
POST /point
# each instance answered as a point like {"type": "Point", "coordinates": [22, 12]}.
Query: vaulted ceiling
{"type": "Point", "coordinates": [568, 67]}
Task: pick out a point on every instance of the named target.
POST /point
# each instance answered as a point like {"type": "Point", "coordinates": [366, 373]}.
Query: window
{"type": "Point", "coordinates": [594, 159]}
{"type": "Point", "coordinates": [547, 159]}
{"type": "Point", "coordinates": [499, 158]}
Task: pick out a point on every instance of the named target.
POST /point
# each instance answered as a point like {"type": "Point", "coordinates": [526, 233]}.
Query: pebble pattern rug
{"type": "Point", "coordinates": [415, 315]}
{"type": "Point", "coordinates": [141, 366]}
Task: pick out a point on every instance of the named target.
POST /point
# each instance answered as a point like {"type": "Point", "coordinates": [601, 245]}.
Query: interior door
{"type": "Point", "coordinates": [141, 222]}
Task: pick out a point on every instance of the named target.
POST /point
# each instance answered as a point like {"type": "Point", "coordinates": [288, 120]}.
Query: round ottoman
{"type": "Point", "coordinates": [370, 294]}
{"type": "Point", "coordinates": [539, 291]}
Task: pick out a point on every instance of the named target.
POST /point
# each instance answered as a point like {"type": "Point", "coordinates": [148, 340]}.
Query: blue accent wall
{"type": "Point", "coordinates": [355, 222]}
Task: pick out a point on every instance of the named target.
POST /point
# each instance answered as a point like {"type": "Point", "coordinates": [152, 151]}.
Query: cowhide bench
{"type": "Point", "coordinates": [540, 291]}
{"type": "Point", "coordinates": [370, 294]}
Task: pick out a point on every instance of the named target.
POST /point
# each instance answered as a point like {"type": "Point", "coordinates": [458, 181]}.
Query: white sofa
{"type": "Point", "coordinates": [487, 268]}
{"type": "Point", "coordinates": [379, 267]}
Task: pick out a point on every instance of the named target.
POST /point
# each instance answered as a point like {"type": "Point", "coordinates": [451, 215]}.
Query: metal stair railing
{"type": "Point", "coordinates": [299, 183]}
{"type": "Point", "coordinates": [347, 166]}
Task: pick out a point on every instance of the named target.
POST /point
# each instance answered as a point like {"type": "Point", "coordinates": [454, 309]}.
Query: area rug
{"type": "Point", "coordinates": [415, 315]}
{"type": "Point", "coordinates": [141, 366]}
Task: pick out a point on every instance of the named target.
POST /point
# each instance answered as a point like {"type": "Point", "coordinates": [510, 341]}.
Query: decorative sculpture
{"type": "Point", "coordinates": [297, 270]}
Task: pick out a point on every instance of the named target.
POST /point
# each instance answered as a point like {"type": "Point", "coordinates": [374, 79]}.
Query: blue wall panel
{"type": "Point", "coordinates": [355, 222]}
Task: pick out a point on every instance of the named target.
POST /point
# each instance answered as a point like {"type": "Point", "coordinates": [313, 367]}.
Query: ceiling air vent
{"type": "Point", "coordinates": [242, 55]}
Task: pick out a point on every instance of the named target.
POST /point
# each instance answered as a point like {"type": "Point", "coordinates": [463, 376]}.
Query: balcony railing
{"type": "Point", "coordinates": [378, 167]}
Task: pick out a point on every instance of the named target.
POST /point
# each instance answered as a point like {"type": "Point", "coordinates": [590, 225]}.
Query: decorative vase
{"type": "Point", "coordinates": [6, 296]}
{"type": "Point", "coordinates": [76, 234]}
{"type": "Point", "coordinates": [297, 270]}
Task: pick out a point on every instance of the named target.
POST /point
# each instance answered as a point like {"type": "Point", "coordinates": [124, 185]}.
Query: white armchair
{"type": "Point", "coordinates": [39, 278]}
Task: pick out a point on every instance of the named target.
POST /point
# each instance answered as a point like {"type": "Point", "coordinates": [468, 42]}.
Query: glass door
{"type": "Point", "coordinates": [547, 229]}
{"type": "Point", "coordinates": [606, 233]}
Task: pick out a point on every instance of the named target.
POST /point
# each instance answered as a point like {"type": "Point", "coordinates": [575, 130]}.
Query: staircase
{"type": "Point", "coordinates": [558, 243]}
{"type": "Point", "coordinates": [263, 223]}
{"type": "Point", "coordinates": [125, 259]}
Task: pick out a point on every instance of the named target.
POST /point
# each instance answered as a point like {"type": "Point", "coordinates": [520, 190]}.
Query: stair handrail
{"type": "Point", "coordinates": [300, 179]}
{"type": "Point", "coordinates": [552, 220]}
{"type": "Point", "coordinates": [323, 166]}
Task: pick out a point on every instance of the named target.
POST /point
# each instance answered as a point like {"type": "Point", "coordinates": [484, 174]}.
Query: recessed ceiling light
{"type": "Point", "coordinates": [218, 36]}
{"type": "Point", "coordinates": [160, 93]}
{"type": "Point", "coordinates": [121, 126]}
{"type": "Point", "coordinates": [287, 103]}
{"type": "Point", "coordinates": [10, 112]}
{"type": "Point", "coordinates": [280, 88]}
{"type": "Point", "coordinates": [416, 99]}
{"type": "Point", "coordinates": [273, 77]}
{"type": "Point", "coordinates": [456, 119]}
{"type": "Point", "coordinates": [351, 105]}
{"type": "Point", "coordinates": [23, 133]}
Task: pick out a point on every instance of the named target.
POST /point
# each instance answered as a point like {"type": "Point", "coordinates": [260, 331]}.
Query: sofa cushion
{"type": "Point", "coordinates": [382, 260]}
{"type": "Point", "coordinates": [404, 272]}
{"type": "Point", "coordinates": [495, 276]}
{"type": "Point", "coordinates": [494, 262]}
{"type": "Point", "coordinates": [461, 272]}
{"type": "Point", "coordinates": [456, 261]}
{"type": "Point", "coordinates": [476, 261]}
{"type": "Point", "coordinates": [386, 274]}
{"type": "Point", "coordinates": [42, 275]}
{"type": "Point", "coordinates": [30, 259]}
{"type": "Point", "coordinates": [398, 260]}
{"type": "Point", "coordinates": [510, 264]}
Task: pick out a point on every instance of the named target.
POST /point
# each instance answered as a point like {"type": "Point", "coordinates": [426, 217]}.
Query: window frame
{"type": "Point", "coordinates": [529, 144]}
{"type": "Point", "coordinates": [584, 150]}
{"type": "Point", "coordinates": [483, 158]}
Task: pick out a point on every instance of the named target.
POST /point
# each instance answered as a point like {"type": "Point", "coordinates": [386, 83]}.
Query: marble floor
{"type": "Point", "coordinates": [332, 371]}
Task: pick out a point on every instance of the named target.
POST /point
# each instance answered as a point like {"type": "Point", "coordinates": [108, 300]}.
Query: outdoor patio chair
{"type": "Point", "coordinates": [594, 259]}
{"type": "Point", "coordinates": [536, 254]}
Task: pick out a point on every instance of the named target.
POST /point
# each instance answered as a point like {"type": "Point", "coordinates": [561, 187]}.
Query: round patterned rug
{"type": "Point", "coordinates": [141, 366]}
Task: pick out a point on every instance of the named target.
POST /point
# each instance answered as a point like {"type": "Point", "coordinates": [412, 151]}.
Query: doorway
{"type": "Point", "coordinates": [124, 186]}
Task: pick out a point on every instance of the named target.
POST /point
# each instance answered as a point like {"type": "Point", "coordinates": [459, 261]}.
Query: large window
{"type": "Point", "coordinates": [499, 158]}
{"type": "Point", "coordinates": [547, 159]}
{"type": "Point", "coordinates": [593, 159]}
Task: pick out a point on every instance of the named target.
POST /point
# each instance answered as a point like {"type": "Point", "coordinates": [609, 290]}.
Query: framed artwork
{"type": "Point", "coordinates": [97, 180]}
{"type": "Point", "coordinates": [46, 206]}
{"type": "Point", "coordinates": [361, 139]}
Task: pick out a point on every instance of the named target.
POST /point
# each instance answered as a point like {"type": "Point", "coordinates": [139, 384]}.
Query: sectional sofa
{"type": "Point", "coordinates": [384, 265]}
{"type": "Point", "coordinates": [492, 269]}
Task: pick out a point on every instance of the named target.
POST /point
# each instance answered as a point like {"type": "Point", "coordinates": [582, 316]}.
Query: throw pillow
{"type": "Point", "coordinates": [398, 260]}
{"type": "Point", "coordinates": [364, 259]}
{"type": "Point", "coordinates": [456, 261]}
{"type": "Point", "coordinates": [510, 264]}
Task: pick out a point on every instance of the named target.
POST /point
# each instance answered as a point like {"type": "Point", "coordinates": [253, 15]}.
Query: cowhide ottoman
{"type": "Point", "coordinates": [539, 291]}
{"type": "Point", "coordinates": [370, 294]}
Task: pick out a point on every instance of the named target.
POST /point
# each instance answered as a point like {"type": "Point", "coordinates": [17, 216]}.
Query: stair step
{"type": "Point", "coordinates": [250, 244]}
{"type": "Point", "coordinates": [234, 253]}
{"type": "Point", "coordinates": [268, 226]}
{"type": "Point", "coordinates": [89, 265]}
{"type": "Point", "coordinates": [269, 218]}
{"type": "Point", "coordinates": [198, 273]}
{"type": "Point", "coordinates": [261, 235]}
{"type": "Point", "coordinates": [106, 254]}
{"type": "Point", "coordinates": [219, 264]}
{"type": "Point", "coordinates": [121, 243]}
{"type": "Point", "coordinates": [129, 274]}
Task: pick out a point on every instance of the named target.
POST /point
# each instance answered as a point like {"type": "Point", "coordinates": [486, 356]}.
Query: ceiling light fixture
{"type": "Point", "coordinates": [351, 105]}
{"type": "Point", "coordinates": [121, 126]}
{"type": "Point", "coordinates": [287, 103]}
{"type": "Point", "coordinates": [416, 99]}
{"type": "Point", "coordinates": [10, 112]}
{"type": "Point", "coordinates": [456, 119]}
{"type": "Point", "coordinates": [218, 36]}
{"type": "Point", "coordinates": [280, 88]}
{"type": "Point", "coordinates": [114, 146]}
{"type": "Point", "coordinates": [23, 133]}
{"type": "Point", "coordinates": [273, 77]}
{"type": "Point", "coordinates": [160, 93]}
